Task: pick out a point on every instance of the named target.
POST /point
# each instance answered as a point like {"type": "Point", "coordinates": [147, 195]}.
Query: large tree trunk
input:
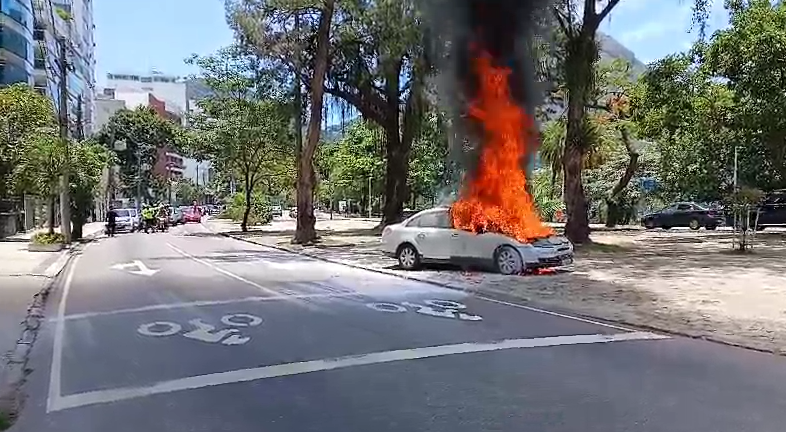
{"type": "Point", "coordinates": [51, 216]}
{"type": "Point", "coordinates": [581, 55]}
{"type": "Point", "coordinates": [305, 233]}
{"type": "Point", "coordinates": [399, 144]}
{"type": "Point", "coordinates": [613, 210]}
{"type": "Point", "coordinates": [247, 191]}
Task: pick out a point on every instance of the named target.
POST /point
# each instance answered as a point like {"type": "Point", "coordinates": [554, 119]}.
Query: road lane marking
{"type": "Point", "coordinates": [224, 272]}
{"type": "Point", "coordinates": [200, 303]}
{"type": "Point", "coordinates": [556, 314]}
{"type": "Point", "coordinates": [288, 369]}
{"type": "Point", "coordinates": [55, 372]}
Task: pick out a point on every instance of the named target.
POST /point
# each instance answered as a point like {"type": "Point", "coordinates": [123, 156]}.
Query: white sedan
{"type": "Point", "coordinates": [429, 237]}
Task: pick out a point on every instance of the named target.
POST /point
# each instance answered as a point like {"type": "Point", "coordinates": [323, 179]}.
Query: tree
{"type": "Point", "coordinates": [23, 112]}
{"type": "Point", "coordinates": [285, 33]}
{"type": "Point", "coordinates": [578, 22]}
{"type": "Point", "coordinates": [692, 121]}
{"type": "Point", "coordinates": [377, 66]}
{"type": "Point", "coordinates": [347, 165]}
{"type": "Point", "coordinates": [750, 58]}
{"type": "Point", "coordinates": [88, 161]}
{"type": "Point", "coordinates": [40, 166]}
{"type": "Point", "coordinates": [144, 133]}
{"type": "Point", "coordinates": [239, 133]}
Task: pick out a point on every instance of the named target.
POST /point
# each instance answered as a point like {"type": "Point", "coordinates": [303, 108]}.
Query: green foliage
{"type": "Point", "coordinates": [88, 161]}
{"type": "Point", "coordinates": [260, 213]}
{"type": "Point", "coordinates": [726, 93]}
{"type": "Point", "coordinates": [41, 164]}
{"type": "Point", "coordinates": [47, 238]}
{"type": "Point", "coordinates": [547, 199]}
{"type": "Point", "coordinates": [346, 166]}
{"type": "Point", "coordinates": [144, 132]}
{"type": "Point", "coordinates": [242, 128]}
{"type": "Point", "coordinates": [23, 113]}
{"type": "Point", "coordinates": [187, 191]}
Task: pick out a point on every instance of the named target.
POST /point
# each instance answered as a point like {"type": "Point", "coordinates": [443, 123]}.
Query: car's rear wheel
{"type": "Point", "coordinates": [649, 224]}
{"type": "Point", "coordinates": [408, 257]}
{"type": "Point", "coordinates": [694, 224]}
{"type": "Point", "coordinates": [508, 260]}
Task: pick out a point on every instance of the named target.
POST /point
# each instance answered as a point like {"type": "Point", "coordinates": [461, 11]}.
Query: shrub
{"type": "Point", "coordinates": [260, 210]}
{"type": "Point", "coordinates": [47, 239]}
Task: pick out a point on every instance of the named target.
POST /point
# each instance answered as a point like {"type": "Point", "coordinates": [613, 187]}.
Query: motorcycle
{"type": "Point", "coordinates": [163, 224]}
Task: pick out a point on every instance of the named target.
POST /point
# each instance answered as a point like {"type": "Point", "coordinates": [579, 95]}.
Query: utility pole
{"type": "Point", "coordinates": [65, 184]}
{"type": "Point", "coordinates": [138, 178]}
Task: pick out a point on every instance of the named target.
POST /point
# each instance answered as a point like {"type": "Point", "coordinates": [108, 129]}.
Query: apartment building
{"type": "Point", "coordinates": [68, 23]}
{"type": "Point", "coordinates": [16, 42]}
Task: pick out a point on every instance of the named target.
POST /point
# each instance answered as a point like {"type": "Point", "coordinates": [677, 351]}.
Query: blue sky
{"type": "Point", "coordinates": [137, 36]}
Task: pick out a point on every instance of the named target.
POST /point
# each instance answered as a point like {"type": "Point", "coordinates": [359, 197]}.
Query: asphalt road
{"type": "Point", "coordinates": [187, 331]}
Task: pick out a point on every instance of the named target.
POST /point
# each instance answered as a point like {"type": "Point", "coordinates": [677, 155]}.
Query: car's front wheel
{"type": "Point", "coordinates": [508, 260]}
{"type": "Point", "coordinates": [408, 257]}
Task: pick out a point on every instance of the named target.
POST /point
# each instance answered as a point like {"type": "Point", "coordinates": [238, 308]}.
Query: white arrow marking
{"type": "Point", "coordinates": [141, 268]}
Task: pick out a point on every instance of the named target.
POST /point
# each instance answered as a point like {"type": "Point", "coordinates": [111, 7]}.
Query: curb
{"type": "Point", "coordinates": [11, 397]}
{"type": "Point", "coordinates": [513, 299]}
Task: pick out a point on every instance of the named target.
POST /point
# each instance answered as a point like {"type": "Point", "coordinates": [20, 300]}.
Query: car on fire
{"type": "Point", "coordinates": [429, 237]}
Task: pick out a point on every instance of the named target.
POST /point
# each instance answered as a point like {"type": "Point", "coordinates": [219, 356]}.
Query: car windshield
{"type": "Point", "coordinates": [123, 213]}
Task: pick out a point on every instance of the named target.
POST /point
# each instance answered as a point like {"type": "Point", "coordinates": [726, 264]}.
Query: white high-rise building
{"type": "Point", "coordinates": [72, 20]}
{"type": "Point", "coordinates": [166, 87]}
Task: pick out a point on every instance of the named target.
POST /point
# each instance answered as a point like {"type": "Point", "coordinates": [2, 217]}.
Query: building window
{"type": "Point", "coordinates": [18, 11]}
{"type": "Point", "coordinates": [12, 74]}
{"type": "Point", "coordinates": [15, 42]}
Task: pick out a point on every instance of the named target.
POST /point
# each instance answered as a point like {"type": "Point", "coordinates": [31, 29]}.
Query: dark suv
{"type": "Point", "coordinates": [772, 210]}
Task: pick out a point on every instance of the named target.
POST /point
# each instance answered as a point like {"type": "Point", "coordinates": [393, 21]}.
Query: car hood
{"type": "Point", "coordinates": [554, 241]}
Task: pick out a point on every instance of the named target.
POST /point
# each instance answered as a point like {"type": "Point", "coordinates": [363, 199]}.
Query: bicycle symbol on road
{"type": "Point", "coordinates": [435, 308]}
{"type": "Point", "coordinates": [203, 331]}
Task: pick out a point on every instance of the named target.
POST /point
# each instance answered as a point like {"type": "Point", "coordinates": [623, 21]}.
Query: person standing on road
{"type": "Point", "coordinates": [149, 215]}
{"type": "Point", "coordinates": [111, 222]}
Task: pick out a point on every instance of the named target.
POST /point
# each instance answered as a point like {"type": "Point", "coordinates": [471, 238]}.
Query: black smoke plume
{"type": "Point", "coordinates": [458, 30]}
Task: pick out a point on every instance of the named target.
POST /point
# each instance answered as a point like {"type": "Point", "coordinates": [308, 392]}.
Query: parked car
{"type": "Point", "coordinates": [192, 215]}
{"type": "Point", "coordinates": [429, 237]}
{"type": "Point", "coordinates": [684, 214]}
{"type": "Point", "coordinates": [127, 220]}
{"type": "Point", "coordinates": [276, 210]}
{"type": "Point", "coordinates": [176, 216]}
{"type": "Point", "coordinates": [771, 211]}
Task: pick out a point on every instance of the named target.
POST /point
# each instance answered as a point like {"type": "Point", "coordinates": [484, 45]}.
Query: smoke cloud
{"type": "Point", "coordinates": [508, 30]}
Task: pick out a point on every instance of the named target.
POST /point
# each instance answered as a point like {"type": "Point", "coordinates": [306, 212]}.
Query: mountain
{"type": "Point", "coordinates": [611, 49]}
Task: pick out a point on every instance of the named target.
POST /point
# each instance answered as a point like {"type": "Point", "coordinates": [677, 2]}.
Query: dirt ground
{"type": "Point", "coordinates": [686, 282]}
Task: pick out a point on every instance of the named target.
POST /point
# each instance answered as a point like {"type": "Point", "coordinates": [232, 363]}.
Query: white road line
{"type": "Point", "coordinates": [203, 303]}
{"type": "Point", "coordinates": [57, 351]}
{"type": "Point", "coordinates": [224, 272]}
{"type": "Point", "coordinates": [288, 369]}
{"type": "Point", "coordinates": [556, 314]}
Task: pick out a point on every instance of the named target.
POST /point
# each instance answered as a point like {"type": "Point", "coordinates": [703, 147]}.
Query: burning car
{"type": "Point", "coordinates": [431, 237]}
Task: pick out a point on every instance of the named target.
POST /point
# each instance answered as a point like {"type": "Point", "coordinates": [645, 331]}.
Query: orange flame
{"type": "Point", "coordinates": [496, 198]}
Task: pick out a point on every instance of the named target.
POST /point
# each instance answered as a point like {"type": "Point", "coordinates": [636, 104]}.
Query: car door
{"type": "Point", "coordinates": [433, 238]}
{"type": "Point", "coordinates": [682, 215]}
{"type": "Point", "coordinates": [773, 210]}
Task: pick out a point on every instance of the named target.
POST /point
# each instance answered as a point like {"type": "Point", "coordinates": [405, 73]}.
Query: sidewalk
{"type": "Point", "coordinates": [685, 282]}
{"type": "Point", "coordinates": [23, 275]}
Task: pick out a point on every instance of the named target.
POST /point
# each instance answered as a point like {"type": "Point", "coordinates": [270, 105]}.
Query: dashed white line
{"type": "Point", "coordinates": [556, 314]}
{"type": "Point", "coordinates": [289, 369]}
{"type": "Point", "coordinates": [201, 303]}
{"type": "Point", "coordinates": [225, 272]}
